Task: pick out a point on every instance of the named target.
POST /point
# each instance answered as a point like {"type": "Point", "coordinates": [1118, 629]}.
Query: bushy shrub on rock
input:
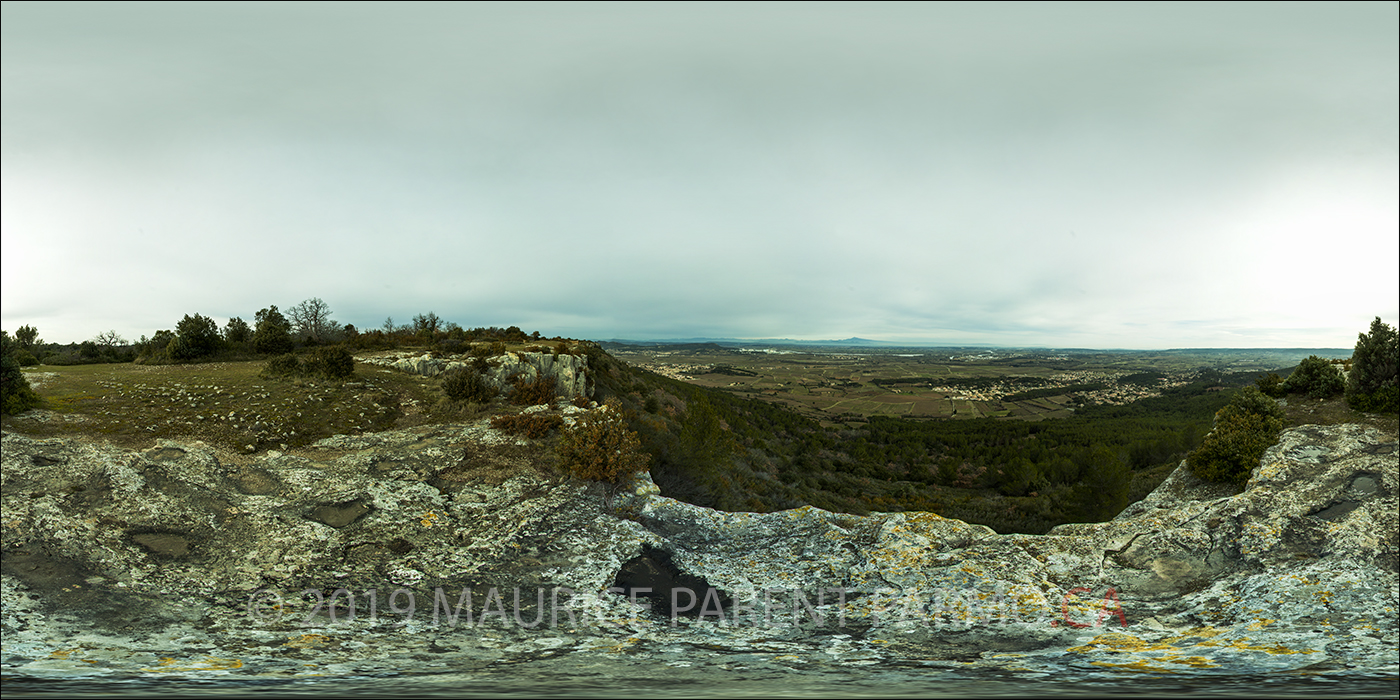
{"type": "Point", "coordinates": [1244, 429]}
{"type": "Point", "coordinates": [1315, 377]}
{"type": "Point", "coordinates": [600, 446]}
{"type": "Point", "coordinates": [531, 426]}
{"type": "Point", "coordinates": [1374, 384]}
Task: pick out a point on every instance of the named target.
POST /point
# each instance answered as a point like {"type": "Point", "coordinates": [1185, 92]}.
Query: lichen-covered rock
{"type": "Point", "coordinates": [456, 547]}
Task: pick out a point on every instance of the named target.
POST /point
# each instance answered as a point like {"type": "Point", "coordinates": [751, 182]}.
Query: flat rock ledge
{"type": "Point", "coordinates": [414, 552]}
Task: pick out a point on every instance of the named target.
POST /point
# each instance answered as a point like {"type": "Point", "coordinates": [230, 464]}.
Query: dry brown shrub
{"type": "Point", "coordinates": [600, 447]}
{"type": "Point", "coordinates": [540, 391]}
{"type": "Point", "coordinates": [531, 426]}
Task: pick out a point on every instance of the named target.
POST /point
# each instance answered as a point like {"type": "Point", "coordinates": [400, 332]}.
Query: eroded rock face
{"type": "Point", "coordinates": [116, 559]}
{"type": "Point", "coordinates": [570, 372]}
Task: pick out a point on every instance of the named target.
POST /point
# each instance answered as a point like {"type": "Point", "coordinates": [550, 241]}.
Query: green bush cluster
{"type": "Point", "coordinates": [1244, 429]}
{"type": "Point", "coordinates": [1316, 377]}
{"type": "Point", "coordinates": [326, 362]}
{"type": "Point", "coordinates": [600, 447]}
{"type": "Point", "coordinates": [467, 384]}
{"type": "Point", "coordinates": [1373, 384]}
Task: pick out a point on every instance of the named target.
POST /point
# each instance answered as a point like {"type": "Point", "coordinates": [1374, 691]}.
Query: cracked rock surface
{"type": "Point", "coordinates": [449, 549]}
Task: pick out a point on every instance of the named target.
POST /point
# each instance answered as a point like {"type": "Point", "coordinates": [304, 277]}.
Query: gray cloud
{"type": "Point", "coordinates": [1128, 176]}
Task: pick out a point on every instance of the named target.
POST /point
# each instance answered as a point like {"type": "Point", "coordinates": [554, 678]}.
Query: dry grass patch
{"type": "Point", "coordinates": [225, 404]}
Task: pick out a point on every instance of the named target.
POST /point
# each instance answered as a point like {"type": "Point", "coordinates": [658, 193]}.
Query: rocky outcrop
{"type": "Point", "coordinates": [570, 372]}
{"type": "Point", "coordinates": [446, 547]}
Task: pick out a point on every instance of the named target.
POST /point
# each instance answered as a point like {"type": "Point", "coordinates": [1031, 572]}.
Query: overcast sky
{"type": "Point", "coordinates": [1065, 175]}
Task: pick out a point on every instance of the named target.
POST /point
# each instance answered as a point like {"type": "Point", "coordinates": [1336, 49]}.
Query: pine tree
{"type": "Point", "coordinates": [1373, 384]}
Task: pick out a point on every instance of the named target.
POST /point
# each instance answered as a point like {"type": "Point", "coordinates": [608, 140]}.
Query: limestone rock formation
{"type": "Point", "coordinates": [570, 372]}
{"type": "Point", "coordinates": [445, 547]}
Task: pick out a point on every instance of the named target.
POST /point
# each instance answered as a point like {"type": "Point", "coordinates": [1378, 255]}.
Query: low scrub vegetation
{"type": "Point", "coordinates": [530, 426]}
{"type": "Point", "coordinates": [328, 362]}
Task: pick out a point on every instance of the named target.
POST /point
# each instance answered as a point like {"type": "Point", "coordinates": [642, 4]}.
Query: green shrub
{"type": "Point", "coordinates": [540, 391]}
{"type": "Point", "coordinates": [331, 362]}
{"type": "Point", "coordinates": [600, 447]}
{"type": "Point", "coordinates": [1271, 385]}
{"type": "Point", "coordinates": [1315, 377]}
{"type": "Point", "coordinates": [463, 384]}
{"type": "Point", "coordinates": [283, 366]}
{"type": "Point", "coordinates": [531, 426]}
{"type": "Point", "coordinates": [1244, 429]}
{"type": "Point", "coordinates": [1373, 384]}
{"type": "Point", "coordinates": [16, 396]}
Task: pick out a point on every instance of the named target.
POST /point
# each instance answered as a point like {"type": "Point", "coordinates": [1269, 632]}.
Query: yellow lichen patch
{"type": "Point", "coordinates": [1119, 642]}
{"type": "Point", "coordinates": [1260, 624]}
{"type": "Point", "coordinates": [1192, 661]}
{"type": "Point", "coordinates": [619, 647]}
{"type": "Point", "coordinates": [306, 641]}
{"type": "Point", "coordinates": [1275, 649]}
{"type": "Point", "coordinates": [208, 663]}
{"type": "Point", "coordinates": [1135, 667]}
{"type": "Point", "coordinates": [429, 519]}
{"type": "Point", "coordinates": [63, 653]}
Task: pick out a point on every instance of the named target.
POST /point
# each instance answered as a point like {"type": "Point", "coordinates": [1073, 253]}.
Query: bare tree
{"type": "Point", "coordinates": [109, 339]}
{"type": "Point", "coordinates": [426, 322]}
{"type": "Point", "coordinates": [311, 319]}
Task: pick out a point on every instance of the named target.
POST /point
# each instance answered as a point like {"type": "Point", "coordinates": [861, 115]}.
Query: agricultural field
{"type": "Point", "coordinates": [842, 385]}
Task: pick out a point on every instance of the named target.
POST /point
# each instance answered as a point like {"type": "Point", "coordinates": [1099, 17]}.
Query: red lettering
{"type": "Point", "coordinates": [1064, 606]}
{"type": "Point", "coordinates": [1108, 595]}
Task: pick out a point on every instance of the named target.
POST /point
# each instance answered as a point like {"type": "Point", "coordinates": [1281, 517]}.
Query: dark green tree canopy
{"type": "Point", "coordinates": [28, 337]}
{"type": "Point", "coordinates": [1374, 384]}
{"type": "Point", "coordinates": [273, 334]}
{"type": "Point", "coordinates": [195, 337]}
{"type": "Point", "coordinates": [237, 331]}
{"type": "Point", "coordinates": [16, 396]}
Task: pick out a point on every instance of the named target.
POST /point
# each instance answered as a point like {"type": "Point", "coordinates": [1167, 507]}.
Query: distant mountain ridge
{"type": "Point", "coordinates": [865, 342]}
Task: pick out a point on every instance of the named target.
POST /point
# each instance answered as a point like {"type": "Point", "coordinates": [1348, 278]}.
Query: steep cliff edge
{"type": "Point", "coordinates": [448, 546]}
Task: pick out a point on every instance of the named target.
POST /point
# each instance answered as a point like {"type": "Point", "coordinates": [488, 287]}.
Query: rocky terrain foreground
{"type": "Point", "coordinates": [429, 551]}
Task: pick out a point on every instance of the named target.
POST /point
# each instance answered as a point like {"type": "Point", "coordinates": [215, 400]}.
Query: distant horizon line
{"type": "Point", "coordinates": [855, 341]}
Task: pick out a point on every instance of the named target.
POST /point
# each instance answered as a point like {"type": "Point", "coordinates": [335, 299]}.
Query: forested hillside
{"type": "Point", "coordinates": [730, 452]}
